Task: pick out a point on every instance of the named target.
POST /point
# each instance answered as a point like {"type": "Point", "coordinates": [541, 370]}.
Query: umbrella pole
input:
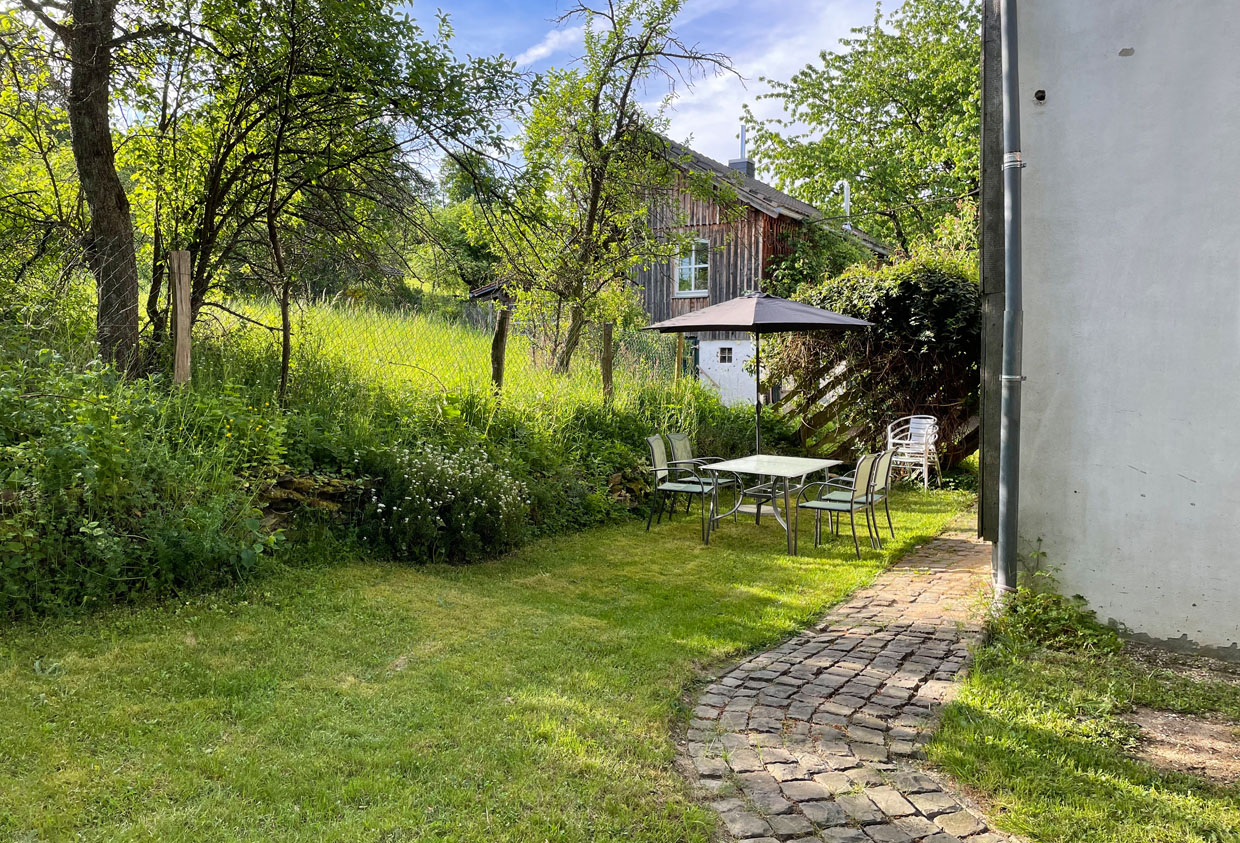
{"type": "Point", "coordinates": [757, 393]}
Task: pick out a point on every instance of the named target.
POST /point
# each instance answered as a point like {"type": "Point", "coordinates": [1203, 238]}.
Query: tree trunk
{"type": "Point", "coordinates": [606, 362]}
{"type": "Point", "coordinates": [273, 231]}
{"type": "Point", "coordinates": [572, 338]}
{"type": "Point", "coordinates": [109, 243]}
{"type": "Point", "coordinates": [499, 346]}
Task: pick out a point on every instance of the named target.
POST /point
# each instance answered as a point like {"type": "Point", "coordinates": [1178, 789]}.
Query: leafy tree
{"type": "Point", "coordinates": [94, 34]}
{"type": "Point", "coordinates": [275, 139]}
{"type": "Point", "coordinates": [896, 111]}
{"type": "Point", "coordinates": [597, 171]}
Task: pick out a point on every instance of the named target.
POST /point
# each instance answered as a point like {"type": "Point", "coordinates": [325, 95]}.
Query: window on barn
{"type": "Point", "coordinates": [725, 354]}
{"type": "Point", "coordinates": [693, 270]}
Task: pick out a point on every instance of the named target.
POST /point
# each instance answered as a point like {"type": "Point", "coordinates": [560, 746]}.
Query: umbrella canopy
{"type": "Point", "coordinates": [758, 313]}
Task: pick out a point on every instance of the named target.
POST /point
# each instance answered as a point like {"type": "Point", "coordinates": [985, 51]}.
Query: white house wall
{"type": "Point", "coordinates": [1130, 458]}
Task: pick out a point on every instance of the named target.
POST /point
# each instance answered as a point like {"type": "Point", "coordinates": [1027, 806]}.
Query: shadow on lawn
{"type": "Point", "coordinates": [1073, 788]}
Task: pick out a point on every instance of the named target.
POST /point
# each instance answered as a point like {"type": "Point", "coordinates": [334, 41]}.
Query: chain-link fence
{"type": "Point", "coordinates": [87, 304]}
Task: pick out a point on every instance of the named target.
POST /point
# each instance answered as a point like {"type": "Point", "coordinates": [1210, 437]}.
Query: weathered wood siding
{"type": "Point", "coordinates": [736, 261]}
{"type": "Point", "coordinates": [776, 238]}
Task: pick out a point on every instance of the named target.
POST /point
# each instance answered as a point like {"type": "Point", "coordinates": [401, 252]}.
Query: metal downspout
{"type": "Point", "coordinates": [1010, 376]}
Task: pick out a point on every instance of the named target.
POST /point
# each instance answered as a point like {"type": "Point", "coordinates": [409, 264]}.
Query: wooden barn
{"type": "Point", "coordinates": [727, 257]}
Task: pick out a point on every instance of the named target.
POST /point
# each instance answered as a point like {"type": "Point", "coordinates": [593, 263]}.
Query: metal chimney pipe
{"type": "Point", "coordinates": [1010, 376]}
{"type": "Point", "coordinates": [847, 203]}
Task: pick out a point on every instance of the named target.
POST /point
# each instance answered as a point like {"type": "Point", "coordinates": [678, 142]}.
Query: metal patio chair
{"type": "Point", "coordinates": [880, 492]}
{"type": "Point", "coordinates": [682, 452]}
{"type": "Point", "coordinates": [857, 499]}
{"type": "Point", "coordinates": [915, 440]}
{"type": "Point", "coordinates": [673, 477]}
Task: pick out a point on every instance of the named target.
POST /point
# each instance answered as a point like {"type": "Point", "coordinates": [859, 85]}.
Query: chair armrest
{"type": "Point", "coordinates": [807, 487]}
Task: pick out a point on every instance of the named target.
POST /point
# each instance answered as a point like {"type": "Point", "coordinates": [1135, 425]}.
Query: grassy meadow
{"type": "Point", "coordinates": [422, 349]}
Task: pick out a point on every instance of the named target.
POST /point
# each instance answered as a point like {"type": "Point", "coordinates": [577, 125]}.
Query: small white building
{"type": "Point", "coordinates": [1129, 459]}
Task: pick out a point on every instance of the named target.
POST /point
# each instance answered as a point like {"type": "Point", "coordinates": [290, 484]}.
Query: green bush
{"type": "Point", "coordinates": [113, 488]}
{"type": "Point", "coordinates": [921, 356]}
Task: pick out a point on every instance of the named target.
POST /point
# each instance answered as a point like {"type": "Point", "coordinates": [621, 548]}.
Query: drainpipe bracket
{"type": "Point", "coordinates": [1013, 378]}
{"type": "Point", "coordinates": [1013, 159]}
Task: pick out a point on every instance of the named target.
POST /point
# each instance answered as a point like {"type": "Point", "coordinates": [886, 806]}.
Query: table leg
{"type": "Point", "coordinates": [787, 517]}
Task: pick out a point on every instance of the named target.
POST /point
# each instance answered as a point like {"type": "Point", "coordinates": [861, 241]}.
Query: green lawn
{"type": "Point", "coordinates": [531, 698]}
{"type": "Point", "coordinates": [1038, 734]}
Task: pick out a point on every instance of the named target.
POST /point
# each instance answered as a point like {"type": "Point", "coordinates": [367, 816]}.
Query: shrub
{"type": "Point", "coordinates": [113, 488]}
{"type": "Point", "coordinates": [808, 253]}
{"type": "Point", "coordinates": [1042, 617]}
{"type": "Point", "coordinates": [429, 504]}
{"type": "Point", "coordinates": [921, 356]}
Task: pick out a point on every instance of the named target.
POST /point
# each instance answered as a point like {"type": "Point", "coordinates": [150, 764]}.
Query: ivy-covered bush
{"type": "Point", "coordinates": [809, 252]}
{"type": "Point", "coordinates": [921, 356]}
{"type": "Point", "coordinates": [429, 504]}
{"type": "Point", "coordinates": [113, 488]}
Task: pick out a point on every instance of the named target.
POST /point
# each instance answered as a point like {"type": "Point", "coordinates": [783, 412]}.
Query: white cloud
{"type": "Point", "coordinates": [791, 34]}
{"type": "Point", "coordinates": [553, 42]}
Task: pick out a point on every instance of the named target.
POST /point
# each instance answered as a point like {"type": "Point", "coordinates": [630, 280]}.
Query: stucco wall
{"type": "Point", "coordinates": [1131, 424]}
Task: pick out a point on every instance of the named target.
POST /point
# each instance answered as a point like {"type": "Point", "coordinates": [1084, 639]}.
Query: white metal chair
{"type": "Point", "coordinates": [914, 440]}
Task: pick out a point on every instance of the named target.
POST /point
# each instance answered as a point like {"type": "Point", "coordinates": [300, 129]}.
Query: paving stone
{"type": "Point", "coordinates": [824, 814]}
{"type": "Point", "coordinates": [835, 782]}
{"type": "Point", "coordinates": [844, 835]}
{"type": "Point", "coordinates": [916, 826]}
{"type": "Point", "coordinates": [941, 838]}
{"type": "Point", "coordinates": [870, 752]}
{"type": "Point", "coordinates": [744, 825]}
{"type": "Point", "coordinates": [959, 823]}
{"type": "Point", "coordinates": [859, 807]}
{"type": "Point", "coordinates": [889, 801]}
{"type": "Point", "coordinates": [787, 772]}
{"type": "Point", "coordinates": [710, 767]}
{"type": "Point", "coordinates": [805, 791]}
{"type": "Point", "coordinates": [744, 761]}
{"type": "Point", "coordinates": [887, 833]}
{"type": "Point", "coordinates": [933, 804]}
{"type": "Point", "coordinates": [866, 776]}
{"type": "Point", "coordinates": [860, 733]}
{"type": "Point", "coordinates": [791, 825]}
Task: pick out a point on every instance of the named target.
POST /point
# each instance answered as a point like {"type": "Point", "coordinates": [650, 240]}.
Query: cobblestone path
{"type": "Point", "coordinates": [816, 739]}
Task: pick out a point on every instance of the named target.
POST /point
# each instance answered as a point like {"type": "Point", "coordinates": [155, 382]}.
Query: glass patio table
{"type": "Point", "coordinates": [777, 469]}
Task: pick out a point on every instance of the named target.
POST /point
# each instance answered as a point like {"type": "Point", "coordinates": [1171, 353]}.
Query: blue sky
{"type": "Point", "coordinates": [763, 37]}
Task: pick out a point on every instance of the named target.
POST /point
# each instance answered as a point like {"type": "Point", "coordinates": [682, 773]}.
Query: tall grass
{"type": "Point", "coordinates": [423, 349]}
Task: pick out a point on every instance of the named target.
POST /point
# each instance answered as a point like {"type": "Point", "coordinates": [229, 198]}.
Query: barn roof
{"type": "Point", "coordinates": [767, 199]}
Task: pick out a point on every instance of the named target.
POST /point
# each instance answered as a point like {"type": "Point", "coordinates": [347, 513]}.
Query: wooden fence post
{"type": "Point", "coordinates": [178, 265]}
{"type": "Point", "coordinates": [606, 362]}
{"type": "Point", "coordinates": [680, 355]}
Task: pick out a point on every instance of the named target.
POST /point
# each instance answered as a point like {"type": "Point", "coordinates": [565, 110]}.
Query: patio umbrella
{"type": "Point", "coordinates": [758, 313]}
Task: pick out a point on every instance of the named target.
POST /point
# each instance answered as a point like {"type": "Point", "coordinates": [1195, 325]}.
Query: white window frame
{"type": "Point", "coordinates": [696, 257]}
{"type": "Point", "coordinates": [728, 350]}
